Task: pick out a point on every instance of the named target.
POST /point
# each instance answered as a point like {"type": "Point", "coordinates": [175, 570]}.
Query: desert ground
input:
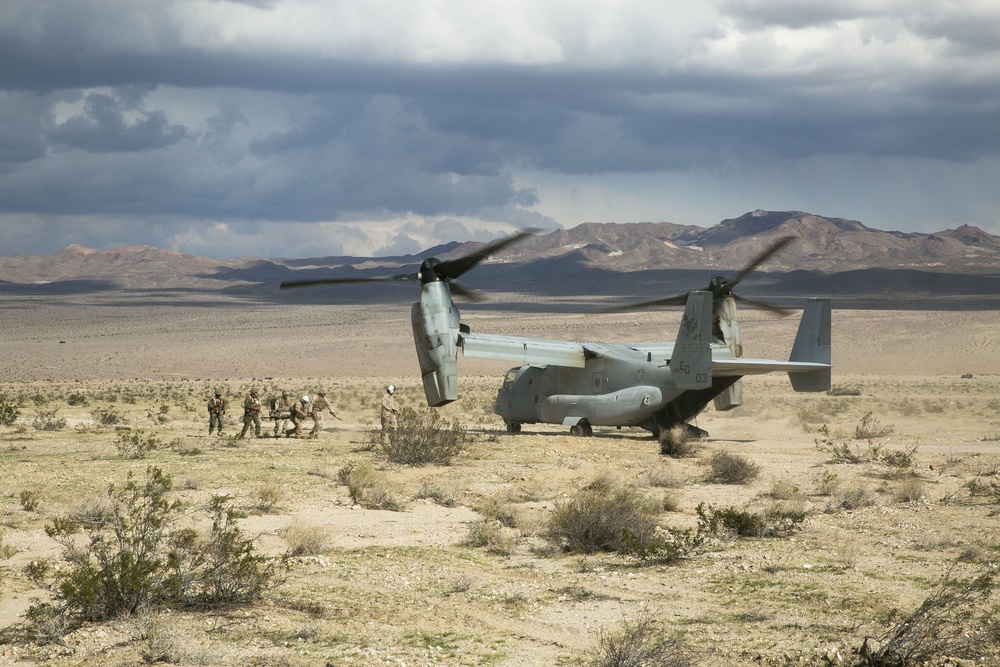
{"type": "Point", "coordinates": [412, 585]}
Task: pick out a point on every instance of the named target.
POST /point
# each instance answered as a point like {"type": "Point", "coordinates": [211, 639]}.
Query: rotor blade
{"type": "Point", "coordinates": [763, 305]}
{"type": "Point", "coordinates": [402, 277]}
{"type": "Point", "coordinates": [678, 300]}
{"type": "Point", "coordinates": [760, 259]}
{"type": "Point", "coordinates": [454, 268]}
{"type": "Point", "coordinates": [458, 289]}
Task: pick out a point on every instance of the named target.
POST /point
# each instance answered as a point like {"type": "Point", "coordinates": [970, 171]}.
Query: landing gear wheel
{"type": "Point", "coordinates": [576, 430]}
{"type": "Point", "coordinates": [513, 427]}
{"type": "Point", "coordinates": [581, 429]}
{"type": "Point", "coordinates": [588, 430]}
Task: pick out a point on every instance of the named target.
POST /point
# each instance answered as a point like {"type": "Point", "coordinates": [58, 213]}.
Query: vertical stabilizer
{"type": "Point", "coordinates": [691, 361]}
{"type": "Point", "coordinates": [812, 344]}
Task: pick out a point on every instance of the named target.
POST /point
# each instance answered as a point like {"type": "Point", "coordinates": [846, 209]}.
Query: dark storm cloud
{"type": "Point", "coordinates": [243, 112]}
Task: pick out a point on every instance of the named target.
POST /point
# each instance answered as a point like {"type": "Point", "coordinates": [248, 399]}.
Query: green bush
{"type": "Point", "coordinates": [46, 420]}
{"type": "Point", "coordinates": [120, 569]}
{"type": "Point", "coordinates": [773, 522]}
{"type": "Point", "coordinates": [132, 559]}
{"type": "Point", "coordinates": [422, 438]}
{"type": "Point", "coordinates": [222, 569]}
{"type": "Point", "coordinates": [107, 416]}
{"type": "Point", "coordinates": [9, 412]}
{"type": "Point", "coordinates": [77, 398]}
{"type": "Point", "coordinates": [136, 444]}
{"type": "Point", "coordinates": [604, 517]}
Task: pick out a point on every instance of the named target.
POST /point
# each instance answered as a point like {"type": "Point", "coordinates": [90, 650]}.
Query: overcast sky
{"type": "Point", "coordinates": [295, 128]}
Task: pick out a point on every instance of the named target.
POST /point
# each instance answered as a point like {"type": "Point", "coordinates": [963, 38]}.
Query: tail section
{"type": "Point", "coordinates": [691, 361]}
{"type": "Point", "coordinates": [812, 344]}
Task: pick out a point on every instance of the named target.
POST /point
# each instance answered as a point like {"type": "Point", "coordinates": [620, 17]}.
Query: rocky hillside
{"type": "Point", "coordinates": [832, 256]}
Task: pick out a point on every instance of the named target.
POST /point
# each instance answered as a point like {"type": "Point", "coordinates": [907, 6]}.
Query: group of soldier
{"type": "Point", "coordinates": [282, 410]}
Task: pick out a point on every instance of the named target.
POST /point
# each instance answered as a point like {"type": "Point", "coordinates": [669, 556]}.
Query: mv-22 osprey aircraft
{"type": "Point", "coordinates": [655, 386]}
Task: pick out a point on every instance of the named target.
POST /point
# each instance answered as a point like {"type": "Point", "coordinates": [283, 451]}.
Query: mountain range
{"type": "Point", "coordinates": [844, 259]}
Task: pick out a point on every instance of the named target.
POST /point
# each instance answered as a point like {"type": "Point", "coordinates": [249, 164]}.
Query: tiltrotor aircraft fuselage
{"type": "Point", "coordinates": [656, 386]}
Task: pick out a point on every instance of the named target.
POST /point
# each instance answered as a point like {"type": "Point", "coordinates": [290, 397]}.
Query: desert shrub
{"type": "Point", "coordinates": [642, 643]}
{"type": "Point", "coordinates": [9, 412]}
{"type": "Point", "coordinates": [989, 490]}
{"type": "Point", "coordinates": [267, 496]}
{"type": "Point", "coordinates": [603, 517]}
{"type": "Point", "coordinates": [489, 534]}
{"type": "Point", "coordinates": [225, 568]}
{"type": "Point", "coordinates": [773, 522]}
{"type": "Point", "coordinates": [957, 621]}
{"type": "Point", "coordinates": [120, 568]}
{"type": "Point", "coordinates": [6, 550]}
{"type": "Point", "coordinates": [827, 483]}
{"type": "Point", "coordinates": [422, 438]}
{"type": "Point", "coordinates": [869, 428]}
{"type": "Point", "coordinates": [436, 494]}
{"type": "Point", "coordinates": [910, 490]}
{"type": "Point", "coordinates": [77, 398]}
{"type": "Point", "coordinates": [782, 489]}
{"type": "Point", "coordinates": [29, 499]}
{"type": "Point", "coordinates": [48, 420]}
{"type": "Point", "coordinates": [107, 416]}
{"type": "Point", "coordinates": [307, 540]}
{"type": "Point", "coordinates": [135, 444]}
{"type": "Point", "coordinates": [369, 488]}
{"type": "Point", "coordinates": [678, 442]}
{"type": "Point", "coordinates": [727, 468]}
{"type": "Point", "coordinates": [852, 497]}
{"type": "Point", "coordinates": [131, 559]}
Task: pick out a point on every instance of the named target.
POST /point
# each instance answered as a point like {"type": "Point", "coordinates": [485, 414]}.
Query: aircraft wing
{"type": "Point", "coordinates": [538, 351]}
{"type": "Point", "coordinates": [745, 366]}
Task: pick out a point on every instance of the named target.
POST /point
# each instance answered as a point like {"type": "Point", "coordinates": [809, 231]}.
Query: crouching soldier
{"type": "Point", "coordinates": [300, 410]}
{"type": "Point", "coordinates": [281, 413]}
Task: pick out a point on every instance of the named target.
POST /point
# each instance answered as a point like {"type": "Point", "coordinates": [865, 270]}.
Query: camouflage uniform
{"type": "Point", "coordinates": [319, 404]}
{"type": "Point", "coordinates": [251, 413]}
{"type": "Point", "coordinates": [388, 412]}
{"type": "Point", "coordinates": [281, 412]}
{"type": "Point", "coordinates": [216, 408]}
{"type": "Point", "coordinates": [300, 410]}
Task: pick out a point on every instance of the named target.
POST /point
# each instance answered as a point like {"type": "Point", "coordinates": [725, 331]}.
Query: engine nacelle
{"type": "Point", "coordinates": [435, 321]}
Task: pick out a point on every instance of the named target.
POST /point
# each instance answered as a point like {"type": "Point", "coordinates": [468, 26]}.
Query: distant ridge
{"type": "Point", "coordinates": [834, 256]}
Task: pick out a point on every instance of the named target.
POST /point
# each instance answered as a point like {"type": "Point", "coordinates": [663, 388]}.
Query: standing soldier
{"type": "Point", "coordinates": [300, 410]}
{"type": "Point", "coordinates": [216, 408]}
{"type": "Point", "coordinates": [251, 413]}
{"type": "Point", "coordinates": [319, 404]}
{"type": "Point", "coordinates": [389, 412]}
{"type": "Point", "coordinates": [281, 412]}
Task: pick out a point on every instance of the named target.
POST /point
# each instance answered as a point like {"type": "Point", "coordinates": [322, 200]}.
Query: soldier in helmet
{"type": "Point", "coordinates": [216, 409]}
{"type": "Point", "coordinates": [251, 413]}
{"type": "Point", "coordinates": [281, 412]}
{"type": "Point", "coordinates": [300, 410]}
{"type": "Point", "coordinates": [388, 412]}
{"type": "Point", "coordinates": [319, 405]}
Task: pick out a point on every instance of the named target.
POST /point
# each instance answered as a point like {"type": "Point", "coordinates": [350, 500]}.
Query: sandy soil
{"type": "Point", "coordinates": [405, 587]}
